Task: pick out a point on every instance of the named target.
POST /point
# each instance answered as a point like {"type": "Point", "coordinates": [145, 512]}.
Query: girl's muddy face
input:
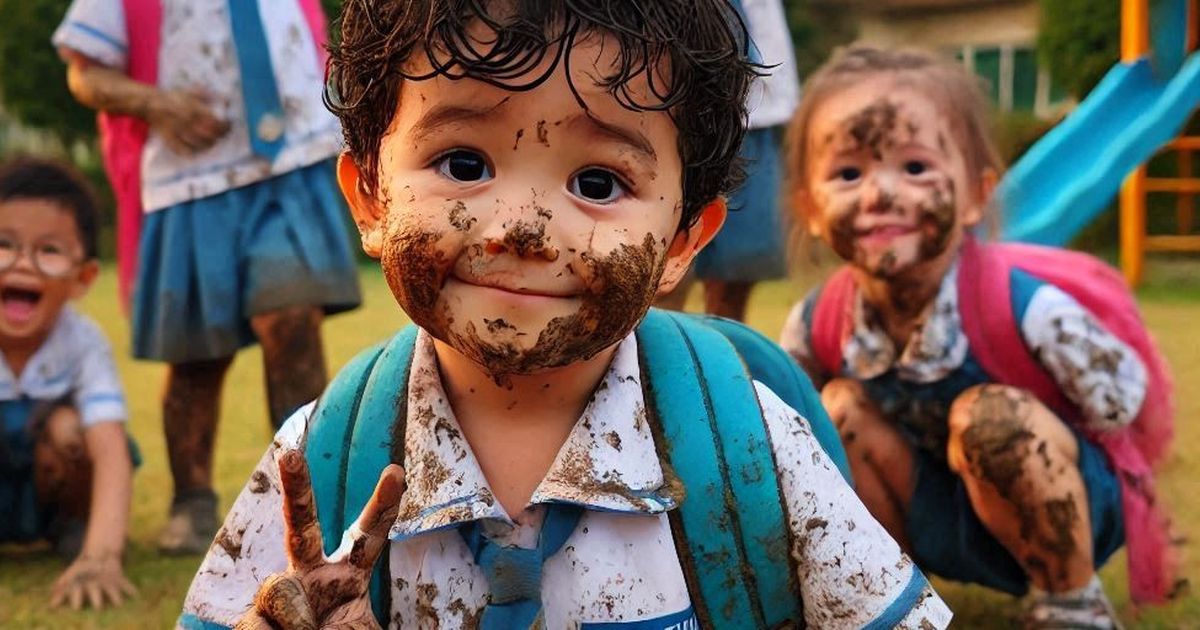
{"type": "Point", "coordinates": [518, 229]}
{"type": "Point", "coordinates": [888, 182]}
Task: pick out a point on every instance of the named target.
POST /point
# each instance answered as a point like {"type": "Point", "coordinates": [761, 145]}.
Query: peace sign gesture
{"type": "Point", "coordinates": [318, 591]}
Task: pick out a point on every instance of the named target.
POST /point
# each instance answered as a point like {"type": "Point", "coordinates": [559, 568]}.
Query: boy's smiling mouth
{"type": "Point", "coordinates": [498, 282]}
{"type": "Point", "coordinates": [19, 304]}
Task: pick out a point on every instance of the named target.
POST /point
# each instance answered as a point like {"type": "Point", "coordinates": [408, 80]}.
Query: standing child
{"type": "Point", "coordinates": [531, 175]}
{"type": "Point", "coordinates": [66, 473]}
{"type": "Point", "coordinates": [985, 474]}
{"type": "Point", "coordinates": [243, 239]}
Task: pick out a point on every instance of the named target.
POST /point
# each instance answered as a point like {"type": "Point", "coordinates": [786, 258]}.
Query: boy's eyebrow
{"type": "Point", "coordinates": [624, 135]}
{"type": "Point", "coordinates": [440, 115]}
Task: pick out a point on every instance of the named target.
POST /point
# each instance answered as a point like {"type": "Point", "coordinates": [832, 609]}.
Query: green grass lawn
{"type": "Point", "coordinates": [1171, 305]}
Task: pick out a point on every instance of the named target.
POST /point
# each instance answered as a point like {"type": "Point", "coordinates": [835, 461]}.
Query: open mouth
{"type": "Point", "coordinates": [883, 233]}
{"type": "Point", "coordinates": [19, 305]}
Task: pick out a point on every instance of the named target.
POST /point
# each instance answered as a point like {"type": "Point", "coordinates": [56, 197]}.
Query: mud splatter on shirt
{"type": "Point", "coordinates": [620, 564]}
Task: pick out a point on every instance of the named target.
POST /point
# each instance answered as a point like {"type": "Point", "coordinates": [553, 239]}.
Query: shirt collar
{"type": "Point", "coordinates": [48, 372]}
{"type": "Point", "coordinates": [936, 348]}
{"type": "Point", "coordinates": [608, 462]}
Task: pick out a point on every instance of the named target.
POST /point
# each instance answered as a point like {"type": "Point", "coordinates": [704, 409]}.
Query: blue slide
{"type": "Point", "coordinates": [1076, 169]}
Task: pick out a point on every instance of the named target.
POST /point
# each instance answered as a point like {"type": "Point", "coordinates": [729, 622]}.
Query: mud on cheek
{"type": "Point", "coordinates": [415, 269]}
{"type": "Point", "coordinates": [620, 289]}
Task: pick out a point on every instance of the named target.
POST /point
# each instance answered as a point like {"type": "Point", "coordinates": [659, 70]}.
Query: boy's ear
{"type": "Point", "coordinates": [689, 241]}
{"type": "Point", "coordinates": [364, 207]}
{"type": "Point", "coordinates": [88, 272]}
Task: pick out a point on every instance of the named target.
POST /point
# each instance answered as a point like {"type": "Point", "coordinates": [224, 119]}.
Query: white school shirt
{"type": "Point", "coordinates": [197, 52]}
{"type": "Point", "coordinates": [619, 566]}
{"type": "Point", "coordinates": [76, 363]}
{"type": "Point", "coordinates": [772, 97]}
{"type": "Point", "coordinates": [1093, 368]}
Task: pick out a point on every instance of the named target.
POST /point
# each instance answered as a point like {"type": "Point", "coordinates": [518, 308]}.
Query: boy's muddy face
{"type": "Point", "coordinates": [517, 228]}
{"type": "Point", "coordinates": [888, 181]}
{"type": "Point", "coordinates": [30, 301]}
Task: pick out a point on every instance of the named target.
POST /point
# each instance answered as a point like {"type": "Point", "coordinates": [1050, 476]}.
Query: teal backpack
{"type": "Point", "coordinates": [731, 531]}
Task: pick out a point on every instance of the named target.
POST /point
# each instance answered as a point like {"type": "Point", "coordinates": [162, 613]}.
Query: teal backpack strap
{"type": "Point", "coordinates": [327, 444]}
{"type": "Point", "coordinates": [371, 403]}
{"type": "Point", "coordinates": [771, 366]}
{"type": "Point", "coordinates": [736, 535]}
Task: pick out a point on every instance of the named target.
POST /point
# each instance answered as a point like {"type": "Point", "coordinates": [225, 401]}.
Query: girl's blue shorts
{"type": "Point", "coordinates": [949, 540]}
{"type": "Point", "coordinates": [208, 265]}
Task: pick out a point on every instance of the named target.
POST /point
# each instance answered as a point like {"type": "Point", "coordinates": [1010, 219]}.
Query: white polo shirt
{"type": "Point", "coordinates": [197, 53]}
{"type": "Point", "coordinates": [75, 361]}
{"type": "Point", "coordinates": [619, 566]}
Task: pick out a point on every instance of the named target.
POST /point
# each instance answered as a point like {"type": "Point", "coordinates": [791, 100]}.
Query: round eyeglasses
{"type": "Point", "coordinates": [51, 258]}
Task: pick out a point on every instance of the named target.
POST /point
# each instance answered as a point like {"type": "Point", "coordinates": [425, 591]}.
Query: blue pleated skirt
{"type": "Point", "coordinates": [208, 265]}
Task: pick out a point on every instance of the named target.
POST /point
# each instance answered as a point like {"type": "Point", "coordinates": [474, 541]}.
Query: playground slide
{"type": "Point", "coordinates": [1076, 169]}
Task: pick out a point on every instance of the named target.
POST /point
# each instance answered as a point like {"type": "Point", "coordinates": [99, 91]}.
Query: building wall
{"type": "Point", "coordinates": [997, 40]}
{"type": "Point", "coordinates": [989, 25]}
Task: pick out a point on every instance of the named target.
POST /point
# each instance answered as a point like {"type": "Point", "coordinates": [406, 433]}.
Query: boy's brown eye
{"type": "Point", "coordinates": [464, 166]}
{"type": "Point", "coordinates": [914, 167]}
{"type": "Point", "coordinates": [596, 185]}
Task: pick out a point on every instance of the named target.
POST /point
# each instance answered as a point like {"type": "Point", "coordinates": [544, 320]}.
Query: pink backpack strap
{"type": "Point", "coordinates": [122, 138]}
{"type": "Point", "coordinates": [985, 305]}
{"type": "Point", "coordinates": [318, 26]}
{"type": "Point", "coordinates": [833, 319]}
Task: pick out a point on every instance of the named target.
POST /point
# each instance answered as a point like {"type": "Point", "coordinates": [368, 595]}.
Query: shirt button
{"type": "Point", "coordinates": [270, 128]}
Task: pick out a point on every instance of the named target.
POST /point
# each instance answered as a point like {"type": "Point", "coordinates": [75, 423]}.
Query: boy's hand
{"type": "Point", "coordinates": [185, 121]}
{"type": "Point", "coordinates": [96, 578]}
{"type": "Point", "coordinates": [318, 591]}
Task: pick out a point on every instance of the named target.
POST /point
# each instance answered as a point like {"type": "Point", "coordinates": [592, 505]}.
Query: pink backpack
{"type": "Point", "coordinates": [994, 334]}
{"type": "Point", "coordinates": [122, 137]}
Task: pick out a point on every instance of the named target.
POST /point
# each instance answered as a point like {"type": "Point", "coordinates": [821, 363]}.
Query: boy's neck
{"type": "Point", "coordinates": [519, 399]}
{"type": "Point", "coordinates": [516, 429]}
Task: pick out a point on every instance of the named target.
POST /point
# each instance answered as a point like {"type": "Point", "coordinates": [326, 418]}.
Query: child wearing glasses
{"type": "Point", "coordinates": [65, 461]}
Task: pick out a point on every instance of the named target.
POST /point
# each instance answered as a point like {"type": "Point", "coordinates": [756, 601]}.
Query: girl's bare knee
{"type": "Point", "coordinates": [994, 429]}
{"type": "Point", "coordinates": [845, 399]}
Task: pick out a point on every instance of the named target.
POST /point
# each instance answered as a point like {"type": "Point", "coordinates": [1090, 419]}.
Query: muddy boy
{"type": "Point", "coordinates": [531, 175]}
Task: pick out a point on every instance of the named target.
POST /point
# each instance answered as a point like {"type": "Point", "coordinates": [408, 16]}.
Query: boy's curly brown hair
{"type": "Point", "coordinates": [700, 48]}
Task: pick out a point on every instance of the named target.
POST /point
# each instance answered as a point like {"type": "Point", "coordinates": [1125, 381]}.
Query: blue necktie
{"type": "Point", "coordinates": [515, 574]}
{"type": "Point", "coordinates": [264, 111]}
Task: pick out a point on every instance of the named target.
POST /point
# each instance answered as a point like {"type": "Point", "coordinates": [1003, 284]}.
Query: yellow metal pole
{"type": "Point", "coordinates": [1133, 225]}
{"type": "Point", "coordinates": [1135, 29]}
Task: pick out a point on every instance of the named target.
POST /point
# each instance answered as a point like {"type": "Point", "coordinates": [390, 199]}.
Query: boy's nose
{"type": "Point", "coordinates": [524, 239]}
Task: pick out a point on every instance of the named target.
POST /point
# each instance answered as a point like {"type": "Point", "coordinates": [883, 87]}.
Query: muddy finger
{"type": "Point", "coordinates": [304, 545]}
{"type": "Point", "coordinates": [281, 599]}
{"type": "Point", "coordinates": [369, 533]}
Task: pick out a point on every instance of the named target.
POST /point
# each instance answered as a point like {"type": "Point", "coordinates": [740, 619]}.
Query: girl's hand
{"type": "Point", "coordinates": [185, 121]}
{"type": "Point", "coordinates": [317, 591]}
{"type": "Point", "coordinates": [96, 578]}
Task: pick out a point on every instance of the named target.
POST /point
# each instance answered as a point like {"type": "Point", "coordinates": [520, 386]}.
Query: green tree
{"type": "Point", "coordinates": [816, 32]}
{"type": "Point", "coordinates": [33, 81]}
{"type": "Point", "coordinates": [1078, 41]}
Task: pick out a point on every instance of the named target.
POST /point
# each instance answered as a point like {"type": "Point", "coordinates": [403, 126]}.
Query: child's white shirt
{"type": "Point", "coordinates": [76, 363]}
{"type": "Point", "coordinates": [197, 52]}
{"type": "Point", "coordinates": [1095, 370]}
{"type": "Point", "coordinates": [620, 565]}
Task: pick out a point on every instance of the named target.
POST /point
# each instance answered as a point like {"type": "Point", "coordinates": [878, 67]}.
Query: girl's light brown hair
{"type": "Point", "coordinates": [957, 93]}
